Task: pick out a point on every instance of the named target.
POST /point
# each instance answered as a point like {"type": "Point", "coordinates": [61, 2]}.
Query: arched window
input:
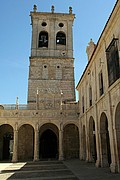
{"type": "Point", "coordinates": [83, 108]}
{"type": "Point", "coordinates": [43, 39]}
{"type": "Point", "coordinates": [61, 38]}
{"type": "Point", "coordinates": [90, 96]}
{"type": "Point", "coordinates": [101, 88]}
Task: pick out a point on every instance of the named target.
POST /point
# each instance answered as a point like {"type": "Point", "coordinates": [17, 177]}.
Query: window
{"type": "Point", "coordinates": [45, 72]}
{"type": "Point", "coordinates": [113, 63]}
{"type": "Point", "coordinates": [61, 38]}
{"type": "Point", "coordinates": [43, 39]}
{"type": "Point", "coordinates": [90, 96]}
{"type": "Point", "coordinates": [58, 72]}
{"type": "Point", "coordinates": [101, 90]}
{"type": "Point", "coordinates": [44, 24]}
{"type": "Point", "coordinates": [61, 24]}
{"type": "Point", "coordinates": [83, 108]}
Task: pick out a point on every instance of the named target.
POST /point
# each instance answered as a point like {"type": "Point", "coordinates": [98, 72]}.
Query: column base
{"type": "Point", "coordinates": [97, 164]}
{"type": "Point", "coordinates": [114, 167]}
{"type": "Point", "coordinates": [14, 160]}
{"type": "Point", "coordinates": [36, 159]}
{"type": "Point", "coordinates": [61, 158]}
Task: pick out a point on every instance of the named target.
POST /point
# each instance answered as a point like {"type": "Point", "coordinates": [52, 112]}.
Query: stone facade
{"type": "Point", "coordinates": [52, 125]}
{"type": "Point", "coordinates": [99, 98]}
{"type": "Point", "coordinates": [51, 61]}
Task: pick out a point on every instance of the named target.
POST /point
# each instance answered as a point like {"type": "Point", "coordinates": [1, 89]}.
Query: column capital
{"type": "Point", "coordinates": [16, 126]}
{"type": "Point", "coordinates": [61, 127]}
{"type": "Point", "coordinates": [37, 127]}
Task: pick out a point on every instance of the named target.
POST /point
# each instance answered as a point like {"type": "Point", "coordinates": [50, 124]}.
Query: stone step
{"type": "Point", "coordinates": [44, 162]}
{"type": "Point", "coordinates": [34, 173]}
{"type": "Point", "coordinates": [36, 167]}
{"type": "Point", "coordinates": [39, 170]}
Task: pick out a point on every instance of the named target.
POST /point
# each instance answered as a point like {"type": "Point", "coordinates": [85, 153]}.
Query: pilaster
{"type": "Point", "coordinates": [15, 145]}
{"type": "Point", "coordinates": [36, 144]}
{"type": "Point", "coordinates": [61, 157]}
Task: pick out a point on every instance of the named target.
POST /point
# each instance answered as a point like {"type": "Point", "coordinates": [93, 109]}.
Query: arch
{"type": "Point", "coordinates": [22, 124]}
{"type": "Point", "coordinates": [43, 39]}
{"type": "Point", "coordinates": [105, 141]}
{"type": "Point", "coordinates": [92, 140]}
{"type": "Point", "coordinates": [50, 126]}
{"type": "Point", "coordinates": [72, 122]}
{"type": "Point", "coordinates": [6, 142]}
{"type": "Point", "coordinates": [48, 141]}
{"type": "Point", "coordinates": [117, 127]}
{"type": "Point", "coordinates": [71, 141]}
{"type": "Point", "coordinates": [61, 38]}
{"type": "Point", "coordinates": [25, 142]}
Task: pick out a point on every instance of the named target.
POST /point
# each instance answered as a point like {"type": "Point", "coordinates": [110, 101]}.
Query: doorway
{"type": "Point", "coordinates": [48, 145]}
{"type": "Point", "coordinates": [7, 146]}
{"type": "Point", "coordinates": [6, 142]}
{"type": "Point", "coordinates": [105, 141]}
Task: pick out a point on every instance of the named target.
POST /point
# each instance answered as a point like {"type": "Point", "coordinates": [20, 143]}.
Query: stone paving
{"type": "Point", "coordinates": [50, 170]}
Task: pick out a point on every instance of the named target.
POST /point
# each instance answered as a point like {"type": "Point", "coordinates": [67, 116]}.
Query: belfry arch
{"type": "Point", "coordinates": [71, 141]}
{"type": "Point", "coordinates": [6, 141]}
{"type": "Point", "coordinates": [43, 39]}
{"type": "Point", "coordinates": [105, 141]}
{"type": "Point", "coordinates": [48, 141]}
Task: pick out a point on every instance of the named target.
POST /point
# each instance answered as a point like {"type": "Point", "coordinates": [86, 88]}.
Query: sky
{"type": "Point", "coordinates": [15, 39]}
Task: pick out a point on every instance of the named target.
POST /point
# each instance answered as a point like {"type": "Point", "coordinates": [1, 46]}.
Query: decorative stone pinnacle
{"type": "Point", "coordinates": [35, 8]}
{"type": "Point", "coordinates": [91, 42]}
{"type": "Point", "coordinates": [52, 9]}
{"type": "Point", "coordinates": [70, 10]}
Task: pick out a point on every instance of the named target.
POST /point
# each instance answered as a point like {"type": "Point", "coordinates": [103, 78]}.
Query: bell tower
{"type": "Point", "coordinates": [51, 70]}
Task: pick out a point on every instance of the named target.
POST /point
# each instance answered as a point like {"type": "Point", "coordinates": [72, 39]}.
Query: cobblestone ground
{"type": "Point", "coordinates": [50, 170]}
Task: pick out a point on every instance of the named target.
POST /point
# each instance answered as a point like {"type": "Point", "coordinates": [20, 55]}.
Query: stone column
{"type": "Point", "coordinates": [80, 141]}
{"type": "Point", "coordinates": [61, 145]}
{"type": "Point", "coordinates": [114, 166]}
{"type": "Point", "coordinates": [98, 146]}
{"type": "Point", "coordinates": [36, 144]}
{"type": "Point", "coordinates": [81, 148]}
{"type": "Point", "coordinates": [15, 146]}
{"type": "Point", "coordinates": [87, 139]}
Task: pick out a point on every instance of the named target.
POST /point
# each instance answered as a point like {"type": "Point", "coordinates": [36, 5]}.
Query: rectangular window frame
{"type": "Point", "coordinates": [101, 84]}
{"type": "Point", "coordinates": [113, 61]}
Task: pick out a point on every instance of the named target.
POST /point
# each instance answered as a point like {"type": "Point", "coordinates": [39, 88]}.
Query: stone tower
{"type": "Point", "coordinates": [51, 71]}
